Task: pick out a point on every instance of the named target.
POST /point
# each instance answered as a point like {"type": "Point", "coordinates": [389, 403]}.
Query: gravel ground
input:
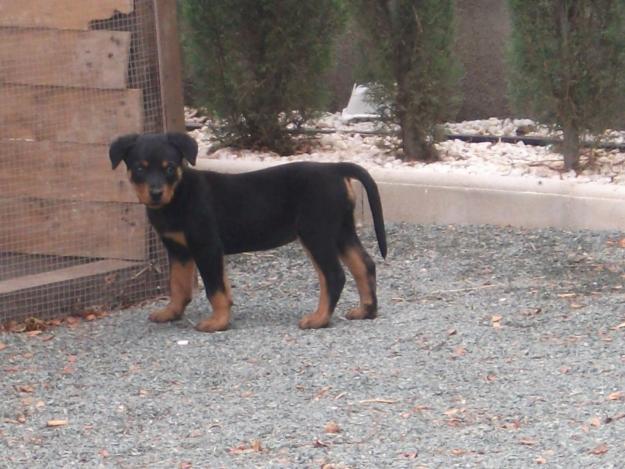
{"type": "Point", "coordinates": [495, 347]}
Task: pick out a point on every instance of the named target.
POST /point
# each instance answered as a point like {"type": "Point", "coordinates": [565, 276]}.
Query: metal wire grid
{"type": "Point", "coordinates": [69, 226]}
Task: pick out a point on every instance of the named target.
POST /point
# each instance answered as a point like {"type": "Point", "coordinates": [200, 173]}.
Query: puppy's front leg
{"type": "Point", "coordinates": [181, 281]}
{"type": "Point", "coordinates": [210, 263]}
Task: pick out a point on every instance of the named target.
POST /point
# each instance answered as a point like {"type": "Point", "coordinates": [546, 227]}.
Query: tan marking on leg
{"type": "Point", "coordinates": [364, 283]}
{"type": "Point", "coordinates": [351, 195]}
{"type": "Point", "coordinates": [177, 237]}
{"type": "Point", "coordinates": [221, 302]}
{"type": "Point", "coordinates": [320, 317]}
{"type": "Point", "coordinates": [181, 281]}
{"type": "Point", "coordinates": [220, 318]}
{"type": "Point", "coordinates": [228, 289]}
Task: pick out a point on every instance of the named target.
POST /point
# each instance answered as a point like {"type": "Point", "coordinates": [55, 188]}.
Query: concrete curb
{"type": "Point", "coordinates": [424, 196]}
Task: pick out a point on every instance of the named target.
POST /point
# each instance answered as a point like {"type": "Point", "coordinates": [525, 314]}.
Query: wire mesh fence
{"type": "Point", "coordinates": [74, 75]}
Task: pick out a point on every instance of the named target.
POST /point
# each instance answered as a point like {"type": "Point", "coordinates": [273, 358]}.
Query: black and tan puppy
{"type": "Point", "coordinates": [202, 215]}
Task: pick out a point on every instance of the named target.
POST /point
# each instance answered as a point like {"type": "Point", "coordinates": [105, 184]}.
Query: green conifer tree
{"type": "Point", "coordinates": [568, 65]}
{"type": "Point", "coordinates": [257, 64]}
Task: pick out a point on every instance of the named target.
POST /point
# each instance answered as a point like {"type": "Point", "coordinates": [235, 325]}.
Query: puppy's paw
{"type": "Point", "coordinates": [314, 321]}
{"type": "Point", "coordinates": [212, 324]}
{"type": "Point", "coordinates": [362, 312]}
{"type": "Point", "coordinates": [165, 315]}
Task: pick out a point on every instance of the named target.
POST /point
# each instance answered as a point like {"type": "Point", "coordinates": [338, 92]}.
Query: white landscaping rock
{"type": "Point", "coordinates": [375, 151]}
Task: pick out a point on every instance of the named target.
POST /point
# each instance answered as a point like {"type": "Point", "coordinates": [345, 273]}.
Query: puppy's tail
{"type": "Point", "coordinates": [353, 171]}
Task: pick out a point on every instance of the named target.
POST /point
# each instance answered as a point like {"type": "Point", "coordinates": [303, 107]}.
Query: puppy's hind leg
{"type": "Point", "coordinates": [362, 268]}
{"type": "Point", "coordinates": [331, 281]}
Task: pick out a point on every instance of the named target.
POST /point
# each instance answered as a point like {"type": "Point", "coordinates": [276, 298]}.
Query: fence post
{"type": "Point", "coordinates": [169, 65]}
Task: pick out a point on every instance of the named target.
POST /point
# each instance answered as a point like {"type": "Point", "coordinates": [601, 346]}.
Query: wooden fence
{"type": "Point", "coordinates": [74, 75]}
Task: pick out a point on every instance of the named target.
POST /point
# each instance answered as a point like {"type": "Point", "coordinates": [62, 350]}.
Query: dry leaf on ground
{"type": "Point", "coordinates": [495, 321]}
{"type": "Point", "coordinates": [24, 388]}
{"type": "Point", "coordinates": [378, 401]}
{"type": "Point", "coordinates": [566, 295]}
{"type": "Point", "coordinates": [332, 427]}
{"type": "Point", "coordinates": [254, 447]}
{"type": "Point", "coordinates": [599, 449]}
{"type": "Point", "coordinates": [527, 441]}
{"type": "Point", "coordinates": [57, 423]}
{"type": "Point", "coordinates": [320, 444]}
{"type": "Point", "coordinates": [459, 352]}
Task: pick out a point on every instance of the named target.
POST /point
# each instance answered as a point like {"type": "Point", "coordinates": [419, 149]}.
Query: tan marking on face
{"type": "Point", "coordinates": [143, 192]}
{"type": "Point", "coordinates": [144, 163]}
{"type": "Point", "coordinates": [181, 280]}
{"type": "Point", "coordinates": [141, 189]}
{"type": "Point", "coordinates": [321, 316]}
{"type": "Point", "coordinates": [177, 237]}
{"type": "Point", "coordinates": [168, 193]}
{"type": "Point", "coordinates": [170, 189]}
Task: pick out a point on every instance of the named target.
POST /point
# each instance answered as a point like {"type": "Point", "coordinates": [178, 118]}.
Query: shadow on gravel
{"type": "Point", "coordinates": [495, 347]}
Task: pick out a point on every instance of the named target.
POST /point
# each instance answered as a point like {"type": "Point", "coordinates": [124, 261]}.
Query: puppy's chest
{"type": "Point", "coordinates": [168, 226]}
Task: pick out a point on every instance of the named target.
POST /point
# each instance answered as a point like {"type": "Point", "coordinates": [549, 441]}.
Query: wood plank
{"type": "Point", "coordinates": [60, 170]}
{"type": "Point", "coordinates": [62, 275]}
{"type": "Point", "coordinates": [60, 14]}
{"type": "Point", "coordinates": [68, 114]}
{"type": "Point", "coordinates": [95, 59]}
{"type": "Point", "coordinates": [170, 65]}
{"type": "Point", "coordinates": [105, 284]}
{"type": "Point", "coordinates": [14, 264]}
{"type": "Point", "coordinates": [66, 228]}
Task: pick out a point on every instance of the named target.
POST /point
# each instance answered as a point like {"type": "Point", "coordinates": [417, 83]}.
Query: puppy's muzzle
{"type": "Point", "coordinates": [156, 194]}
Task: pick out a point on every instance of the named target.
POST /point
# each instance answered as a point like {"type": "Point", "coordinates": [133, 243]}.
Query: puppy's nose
{"type": "Point", "coordinates": [156, 193]}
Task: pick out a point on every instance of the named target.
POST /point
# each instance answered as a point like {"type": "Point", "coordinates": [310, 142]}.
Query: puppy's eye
{"type": "Point", "coordinates": [139, 170]}
{"type": "Point", "coordinates": [170, 170]}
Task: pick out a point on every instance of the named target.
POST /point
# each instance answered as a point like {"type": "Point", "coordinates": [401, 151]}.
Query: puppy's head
{"type": "Point", "coordinates": [154, 163]}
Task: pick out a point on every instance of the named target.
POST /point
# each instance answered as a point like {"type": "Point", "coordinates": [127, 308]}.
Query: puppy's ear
{"type": "Point", "coordinates": [120, 147]}
{"type": "Point", "coordinates": [185, 145]}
